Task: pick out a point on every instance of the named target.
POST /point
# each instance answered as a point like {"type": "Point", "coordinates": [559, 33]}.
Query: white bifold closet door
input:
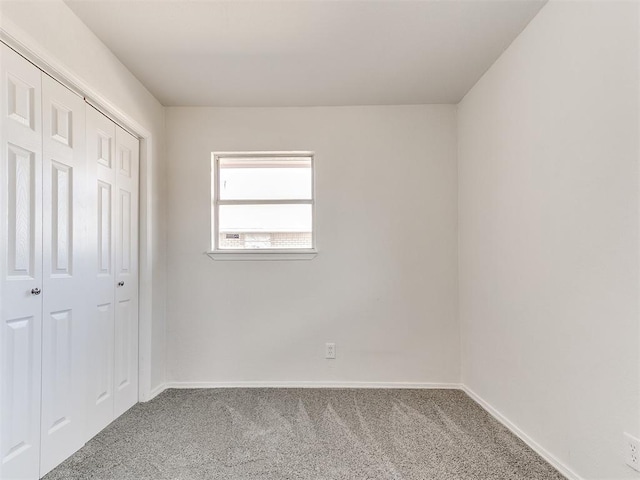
{"type": "Point", "coordinates": [66, 281]}
{"type": "Point", "coordinates": [113, 157]}
{"type": "Point", "coordinates": [20, 266]}
{"type": "Point", "coordinates": [126, 272]}
{"type": "Point", "coordinates": [44, 307]}
{"type": "Point", "coordinates": [68, 270]}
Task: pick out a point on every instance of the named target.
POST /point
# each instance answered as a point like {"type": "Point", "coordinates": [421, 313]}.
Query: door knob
{"type": "Point", "coordinates": [121, 284]}
{"type": "Point", "coordinates": [35, 291]}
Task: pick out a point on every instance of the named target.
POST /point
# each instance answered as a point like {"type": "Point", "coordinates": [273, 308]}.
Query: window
{"type": "Point", "coordinates": [263, 204]}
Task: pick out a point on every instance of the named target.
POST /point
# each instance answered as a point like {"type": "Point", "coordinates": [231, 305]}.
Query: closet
{"type": "Point", "coordinates": [113, 338]}
{"type": "Point", "coordinates": [69, 270]}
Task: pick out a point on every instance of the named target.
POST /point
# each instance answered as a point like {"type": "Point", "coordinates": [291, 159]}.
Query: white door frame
{"type": "Point", "coordinates": [15, 38]}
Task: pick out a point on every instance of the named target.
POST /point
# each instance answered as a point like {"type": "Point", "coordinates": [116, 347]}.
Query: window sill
{"type": "Point", "coordinates": [255, 255]}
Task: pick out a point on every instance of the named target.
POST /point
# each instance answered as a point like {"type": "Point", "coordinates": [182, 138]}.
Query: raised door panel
{"type": "Point", "coordinates": [101, 146]}
{"type": "Point", "coordinates": [62, 211]}
{"type": "Point", "coordinates": [105, 229]}
{"type": "Point", "coordinates": [22, 97]}
{"type": "Point", "coordinates": [20, 266]}
{"type": "Point", "coordinates": [58, 383]}
{"type": "Point", "coordinates": [22, 198]}
{"type": "Point", "coordinates": [126, 272]}
{"type": "Point", "coordinates": [103, 356]}
{"type": "Point", "coordinates": [18, 433]}
{"type": "Point", "coordinates": [123, 365]}
{"type": "Point", "coordinates": [66, 308]}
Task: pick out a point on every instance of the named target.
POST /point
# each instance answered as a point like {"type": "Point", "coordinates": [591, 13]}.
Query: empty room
{"type": "Point", "coordinates": [319, 239]}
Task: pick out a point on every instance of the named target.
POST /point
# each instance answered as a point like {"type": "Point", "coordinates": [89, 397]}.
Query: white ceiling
{"type": "Point", "coordinates": [301, 52]}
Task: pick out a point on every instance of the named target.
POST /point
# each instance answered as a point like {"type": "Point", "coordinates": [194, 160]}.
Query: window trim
{"type": "Point", "coordinates": [264, 253]}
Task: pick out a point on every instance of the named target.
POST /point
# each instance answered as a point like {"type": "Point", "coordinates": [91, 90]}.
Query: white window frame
{"type": "Point", "coordinates": [264, 253]}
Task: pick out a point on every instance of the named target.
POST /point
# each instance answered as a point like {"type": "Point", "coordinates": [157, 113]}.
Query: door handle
{"type": "Point", "coordinates": [35, 291]}
{"type": "Point", "coordinates": [121, 284]}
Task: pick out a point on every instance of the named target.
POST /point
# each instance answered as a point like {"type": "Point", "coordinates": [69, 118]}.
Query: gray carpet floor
{"type": "Point", "coordinates": [319, 434]}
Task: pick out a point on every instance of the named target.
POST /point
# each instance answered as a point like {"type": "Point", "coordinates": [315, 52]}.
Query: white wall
{"type": "Point", "coordinates": [548, 207]}
{"type": "Point", "coordinates": [383, 286]}
{"type": "Point", "coordinates": [51, 28]}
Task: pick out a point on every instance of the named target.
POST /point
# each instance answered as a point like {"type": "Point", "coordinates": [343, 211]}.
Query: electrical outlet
{"type": "Point", "coordinates": [330, 350]}
{"type": "Point", "coordinates": [632, 451]}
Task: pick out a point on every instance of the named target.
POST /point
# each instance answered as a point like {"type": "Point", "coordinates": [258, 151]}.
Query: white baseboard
{"type": "Point", "coordinates": [302, 384]}
{"type": "Point", "coordinates": [157, 391]}
{"type": "Point", "coordinates": [535, 446]}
